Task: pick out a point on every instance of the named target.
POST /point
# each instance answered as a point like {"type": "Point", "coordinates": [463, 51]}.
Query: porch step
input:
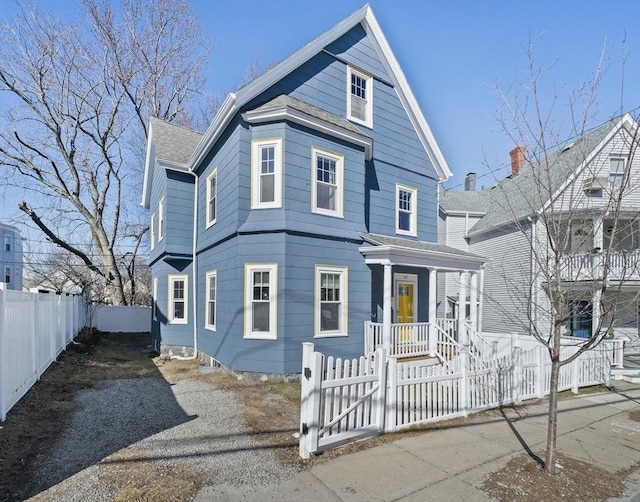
{"type": "Point", "coordinates": [630, 375]}
{"type": "Point", "coordinates": [424, 357]}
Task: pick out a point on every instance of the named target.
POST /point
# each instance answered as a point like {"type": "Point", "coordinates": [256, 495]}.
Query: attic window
{"type": "Point", "coordinates": [359, 97]}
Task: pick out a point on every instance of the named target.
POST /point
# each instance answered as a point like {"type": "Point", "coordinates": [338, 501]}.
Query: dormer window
{"type": "Point", "coordinates": [359, 97]}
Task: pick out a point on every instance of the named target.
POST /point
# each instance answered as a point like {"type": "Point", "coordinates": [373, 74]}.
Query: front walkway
{"type": "Point", "coordinates": [452, 463]}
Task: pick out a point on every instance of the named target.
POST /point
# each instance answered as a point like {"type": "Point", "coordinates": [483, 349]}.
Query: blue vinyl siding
{"type": "Point", "coordinates": [179, 204]}
{"type": "Point", "coordinates": [293, 236]}
{"type": "Point", "coordinates": [356, 48]}
{"type": "Point", "coordinates": [296, 257]}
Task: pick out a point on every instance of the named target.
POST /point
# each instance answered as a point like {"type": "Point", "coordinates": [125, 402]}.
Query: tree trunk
{"type": "Point", "coordinates": [552, 423]}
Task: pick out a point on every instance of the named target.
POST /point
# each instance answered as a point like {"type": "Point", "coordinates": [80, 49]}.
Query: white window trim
{"type": "Point", "coordinates": [369, 108]}
{"type": "Point", "coordinates": [210, 220]}
{"type": "Point", "coordinates": [413, 230]}
{"type": "Point", "coordinates": [170, 281]}
{"type": "Point", "coordinates": [344, 291]}
{"type": "Point", "coordinates": [249, 269]}
{"type": "Point", "coordinates": [255, 173]}
{"type": "Point", "coordinates": [617, 176]}
{"type": "Point", "coordinates": [154, 298]}
{"type": "Point", "coordinates": [211, 274]}
{"type": "Point", "coordinates": [160, 219]}
{"type": "Point", "coordinates": [7, 271]}
{"type": "Point", "coordinates": [153, 230]}
{"type": "Point", "coordinates": [339, 211]}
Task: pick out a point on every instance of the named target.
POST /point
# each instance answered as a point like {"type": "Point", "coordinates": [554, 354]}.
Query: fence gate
{"type": "Point", "coordinates": [342, 400]}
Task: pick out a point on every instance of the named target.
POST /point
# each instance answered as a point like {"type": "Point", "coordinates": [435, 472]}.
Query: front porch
{"type": "Point", "coordinates": [408, 300]}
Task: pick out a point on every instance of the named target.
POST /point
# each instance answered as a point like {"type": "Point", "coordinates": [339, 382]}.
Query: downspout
{"type": "Point", "coordinates": [194, 274]}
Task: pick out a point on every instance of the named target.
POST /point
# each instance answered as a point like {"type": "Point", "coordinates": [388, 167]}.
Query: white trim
{"type": "Point", "coordinates": [154, 299]}
{"type": "Point", "coordinates": [317, 124]}
{"type": "Point", "coordinates": [413, 213]}
{"type": "Point", "coordinates": [338, 212]}
{"type": "Point", "coordinates": [209, 220]}
{"type": "Point", "coordinates": [272, 269]}
{"type": "Point", "coordinates": [256, 148]}
{"type": "Point", "coordinates": [161, 219]}
{"type": "Point", "coordinates": [152, 236]}
{"type": "Point", "coordinates": [368, 79]}
{"type": "Point", "coordinates": [211, 274]}
{"type": "Point", "coordinates": [343, 272]}
{"type": "Point", "coordinates": [171, 300]}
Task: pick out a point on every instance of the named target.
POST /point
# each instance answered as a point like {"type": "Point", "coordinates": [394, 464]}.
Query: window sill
{"type": "Point", "coordinates": [331, 335]}
{"type": "Point", "coordinates": [260, 336]}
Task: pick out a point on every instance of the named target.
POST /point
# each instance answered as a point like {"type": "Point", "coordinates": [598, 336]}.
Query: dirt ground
{"type": "Point", "coordinates": [271, 409]}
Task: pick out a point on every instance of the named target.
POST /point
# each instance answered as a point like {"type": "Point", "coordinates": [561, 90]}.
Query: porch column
{"type": "Point", "coordinates": [598, 243]}
{"type": "Point", "coordinates": [473, 301]}
{"type": "Point", "coordinates": [462, 309]}
{"type": "Point", "coordinates": [432, 310]}
{"type": "Point", "coordinates": [386, 308]}
{"type": "Point", "coordinates": [596, 311]}
{"type": "Point", "coordinates": [481, 299]}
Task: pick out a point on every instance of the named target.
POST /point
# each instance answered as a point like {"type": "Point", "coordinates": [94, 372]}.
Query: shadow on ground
{"type": "Point", "coordinates": [104, 394]}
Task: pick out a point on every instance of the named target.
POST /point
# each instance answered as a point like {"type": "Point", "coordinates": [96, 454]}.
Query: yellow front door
{"type": "Point", "coordinates": [405, 302]}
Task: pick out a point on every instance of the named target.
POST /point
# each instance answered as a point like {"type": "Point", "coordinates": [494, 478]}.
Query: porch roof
{"type": "Point", "coordinates": [384, 249]}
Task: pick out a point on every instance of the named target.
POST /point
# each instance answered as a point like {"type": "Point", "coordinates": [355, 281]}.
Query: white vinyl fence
{"type": "Point", "coordinates": [120, 319]}
{"type": "Point", "coordinates": [343, 400]}
{"type": "Point", "coordinates": [34, 329]}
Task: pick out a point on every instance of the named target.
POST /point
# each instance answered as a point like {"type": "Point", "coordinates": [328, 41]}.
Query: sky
{"type": "Point", "coordinates": [453, 53]}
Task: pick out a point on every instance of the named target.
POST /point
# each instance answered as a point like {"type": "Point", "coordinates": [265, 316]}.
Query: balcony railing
{"type": "Point", "coordinates": [587, 266]}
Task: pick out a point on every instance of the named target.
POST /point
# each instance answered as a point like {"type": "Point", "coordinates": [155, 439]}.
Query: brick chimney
{"type": "Point", "coordinates": [517, 159]}
{"type": "Point", "coordinates": [470, 182]}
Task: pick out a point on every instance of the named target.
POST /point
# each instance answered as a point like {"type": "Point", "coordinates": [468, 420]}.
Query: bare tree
{"type": "Point", "coordinates": [77, 98]}
{"type": "Point", "coordinates": [574, 214]}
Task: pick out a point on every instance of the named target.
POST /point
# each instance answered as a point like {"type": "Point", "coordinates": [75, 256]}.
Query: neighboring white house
{"type": "Point", "coordinates": [588, 190]}
{"type": "Point", "coordinates": [10, 257]}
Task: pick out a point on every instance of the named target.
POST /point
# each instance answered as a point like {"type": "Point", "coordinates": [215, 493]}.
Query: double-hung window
{"type": "Point", "coordinates": [160, 219]}
{"type": "Point", "coordinates": [212, 197]}
{"type": "Point", "coordinates": [261, 283]}
{"type": "Point", "coordinates": [178, 299]}
{"type": "Point", "coordinates": [406, 210]}
{"type": "Point", "coordinates": [327, 183]}
{"type": "Point", "coordinates": [331, 306]}
{"type": "Point", "coordinates": [7, 274]}
{"type": "Point", "coordinates": [616, 172]}
{"type": "Point", "coordinates": [359, 97]}
{"type": "Point", "coordinates": [7, 243]}
{"type": "Point", "coordinates": [266, 173]}
{"type": "Point", "coordinates": [210, 307]}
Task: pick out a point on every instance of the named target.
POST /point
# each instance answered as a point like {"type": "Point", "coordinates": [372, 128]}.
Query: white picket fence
{"type": "Point", "coordinates": [343, 400]}
{"type": "Point", "coordinates": [34, 329]}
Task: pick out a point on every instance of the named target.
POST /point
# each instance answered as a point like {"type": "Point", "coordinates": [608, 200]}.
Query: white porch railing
{"type": "Point", "coordinates": [407, 340]}
{"type": "Point", "coordinates": [621, 265]}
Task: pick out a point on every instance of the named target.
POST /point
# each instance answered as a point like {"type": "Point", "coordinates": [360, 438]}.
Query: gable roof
{"type": "Point", "coordinates": [364, 16]}
{"type": "Point", "coordinates": [536, 184]}
{"type": "Point", "coordinates": [172, 148]}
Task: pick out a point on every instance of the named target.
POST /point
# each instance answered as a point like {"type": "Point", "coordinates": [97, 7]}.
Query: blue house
{"type": "Point", "coordinates": [10, 257]}
{"type": "Point", "coordinates": [306, 212]}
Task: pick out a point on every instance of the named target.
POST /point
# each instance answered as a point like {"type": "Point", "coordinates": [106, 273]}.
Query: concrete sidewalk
{"type": "Point", "coordinates": [452, 463]}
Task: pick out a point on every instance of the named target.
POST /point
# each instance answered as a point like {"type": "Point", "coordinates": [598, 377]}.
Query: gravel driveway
{"type": "Point", "coordinates": [185, 428]}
